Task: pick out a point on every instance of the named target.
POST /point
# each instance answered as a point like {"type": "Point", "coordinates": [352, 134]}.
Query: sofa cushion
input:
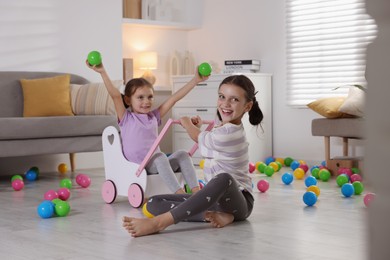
{"type": "Point", "coordinates": [11, 98]}
{"type": "Point", "coordinates": [340, 127]}
{"type": "Point", "coordinates": [46, 96]}
{"type": "Point", "coordinates": [51, 127]}
{"type": "Point", "coordinates": [92, 99]}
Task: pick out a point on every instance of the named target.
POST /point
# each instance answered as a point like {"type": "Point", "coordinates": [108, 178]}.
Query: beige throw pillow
{"type": "Point", "coordinates": [92, 99]}
{"type": "Point", "coordinates": [328, 107]}
{"type": "Point", "coordinates": [354, 103]}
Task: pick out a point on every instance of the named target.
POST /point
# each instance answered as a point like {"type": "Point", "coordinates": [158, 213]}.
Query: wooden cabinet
{"type": "Point", "coordinates": [202, 101]}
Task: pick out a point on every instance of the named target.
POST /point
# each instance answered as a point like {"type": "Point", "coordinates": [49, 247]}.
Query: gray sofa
{"type": "Point", "coordinates": [25, 136]}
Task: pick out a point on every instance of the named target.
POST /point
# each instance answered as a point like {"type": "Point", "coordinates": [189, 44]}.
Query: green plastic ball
{"type": "Point", "coordinates": [341, 180]}
{"type": "Point", "coordinates": [324, 175]}
{"type": "Point", "coordinates": [269, 171]}
{"type": "Point", "coordinates": [16, 176]}
{"type": "Point", "coordinates": [355, 170]}
{"type": "Point", "coordinates": [315, 173]}
{"type": "Point", "coordinates": [288, 161]}
{"type": "Point", "coordinates": [204, 69]}
{"type": "Point", "coordinates": [261, 167]}
{"type": "Point", "coordinates": [66, 183]}
{"type": "Point", "coordinates": [358, 186]}
{"type": "Point", "coordinates": [61, 208]}
{"type": "Point", "coordinates": [94, 58]}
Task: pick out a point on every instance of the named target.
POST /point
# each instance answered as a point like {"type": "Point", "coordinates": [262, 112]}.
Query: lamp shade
{"type": "Point", "coordinates": [147, 60]}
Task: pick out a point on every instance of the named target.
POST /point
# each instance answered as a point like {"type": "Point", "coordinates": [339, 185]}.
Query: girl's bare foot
{"type": "Point", "coordinates": [146, 226]}
{"type": "Point", "coordinates": [219, 219]}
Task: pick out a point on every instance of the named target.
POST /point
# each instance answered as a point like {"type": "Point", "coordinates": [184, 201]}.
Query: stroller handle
{"type": "Point", "coordinates": [161, 135]}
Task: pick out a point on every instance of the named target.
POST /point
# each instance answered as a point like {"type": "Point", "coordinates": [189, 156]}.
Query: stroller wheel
{"type": "Point", "coordinates": [135, 195]}
{"type": "Point", "coordinates": [108, 191]}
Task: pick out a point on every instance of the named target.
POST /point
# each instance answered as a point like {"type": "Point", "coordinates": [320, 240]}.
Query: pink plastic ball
{"type": "Point", "coordinates": [368, 198]}
{"type": "Point", "coordinates": [304, 167]}
{"type": "Point", "coordinates": [83, 180]}
{"type": "Point", "coordinates": [17, 184]}
{"type": "Point", "coordinates": [63, 193]}
{"type": "Point", "coordinates": [252, 167]}
{"type": "Point", "coordinates": [50, 195]}
{"type": "Point", "coordinates": [355, 177]}
{"type": "Point", "coordinates": [263, 185]}
{"type": "Point", "coordinates": [346, 171]}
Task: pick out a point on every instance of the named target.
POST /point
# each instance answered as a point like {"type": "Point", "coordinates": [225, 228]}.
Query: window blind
{"type": "Point", "coordinates": [326, 45]}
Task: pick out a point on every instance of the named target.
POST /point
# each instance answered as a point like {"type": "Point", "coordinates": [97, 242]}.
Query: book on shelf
{"type": "Point", "coordinates": [242, 62]}
{"type": "Point", "coordinates": [244, 66]}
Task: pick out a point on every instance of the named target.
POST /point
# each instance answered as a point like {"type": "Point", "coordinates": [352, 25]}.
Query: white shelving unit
{"type": "Point", "coordinates": [202, 101]}
{"type": "Point", "coordinates": [185, 15]}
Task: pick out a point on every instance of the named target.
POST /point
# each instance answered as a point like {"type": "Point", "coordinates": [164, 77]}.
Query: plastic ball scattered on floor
{"type": "Point", "coordinates": [263, 185]}
{"type": "Point", "coordinates": [62, 208]}
{"type": "Point", "coordinates": [63, 193]}
{"type": "Point", "coordinates": [261, 167]}
{"type": "Point", "coordinates": [16, 176]}
{"type": "Point", "coordinates": [66, 183]}
{"type": "Point", "coordinates": [355, 177]}
{"type": "Point", "coordinates": [315, 172]}
{"type": "Point", "coordinates": [50, 195]}
{"type": "Point", "coordinates": [299, 173]}
{"type": "Point", "coordinates": [342, 179]}
{"type": "Point", "coordinates": [358, 187]}
{"type": "Point", "coordinates": [45, 209]}
{"type": "Point", "coordinates": [288, 161]}
{"type": "Point", "coordinates": [252, 167]}
{"type": "Point", "coordinates": [146, 212]}
{"type": "Point", "coordinates": [287, 178]}
{"type": "Point", "coordinates": [274, 165]}
{"type": "Point", "coordinates": [62, 168]}
{"type": "Point", "coordinates": [315, 189]}
{"type": "Point", "coordinates": [269, 171]}
{"type": "Point", "coordinates": [31, 175]}
{"type": "Point", "coordinates": [310, 180]}
{"type": "Point", "coordinates": [368, 198]}
{"type": "Point", "coordinates": [294, 165]}
{"type": "Point", "coordinates": [309, 198]}
{"type": "Point", "coordinates": [17, 184]}
{"type": "Point", "coordinates": [324, 175]}
{"type": "Point", "coordinates": [83, 180]}
{"type": "Point", "coordinates": [347, 190]}
{"type": "Point", "coordinates": [269, 160]}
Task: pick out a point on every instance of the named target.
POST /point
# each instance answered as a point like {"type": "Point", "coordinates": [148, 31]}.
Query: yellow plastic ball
{"type": "Point", "coordinates": [302, 162]}
{"type": "Point", "coordinates": [146, 212]}
{"type": "Point", "coordinates": [201, 163]}
{"type": "Point", "coordinates": [274, 165]}
{"type": "Point", "coordinates": [281, 160]}
{"type": "Point", "coordinates": [299, 173]}
{"type": "Point", "coordinates": [62, 168]}
{"type": "Point", "coordinates": [314, 189]}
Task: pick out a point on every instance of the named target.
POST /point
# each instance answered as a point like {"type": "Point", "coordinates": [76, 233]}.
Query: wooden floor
{"type": "Point", "coordinates": [280, 227]}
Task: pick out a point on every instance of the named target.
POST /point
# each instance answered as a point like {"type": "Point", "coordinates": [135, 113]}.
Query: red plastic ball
{"type": "Point", "coordinates": [304, 167]}
{"type": "Point", "coordinates": [50, 195]}
{"type": "Point", "coordinates": [355, 177]}
{"type": "Point", "coordinates": [252, 167]}
{"type": "Point", "coordinates": [63, 193]}
{"type": "Point", "coordinates": [368, 198]}
{"type": "Point", "coordinates": [17, 184]}
{"type": "Point", "coordinates": [83, 180]}
{"type": "Point", "coordinates": [263, 185]}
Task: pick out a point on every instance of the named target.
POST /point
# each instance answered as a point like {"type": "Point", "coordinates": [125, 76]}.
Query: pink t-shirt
{"type": "Point", "coordinates": [138, 132]}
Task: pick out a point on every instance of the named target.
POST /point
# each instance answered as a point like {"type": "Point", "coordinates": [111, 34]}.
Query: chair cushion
{"type": "Point", "coordinates": [341, 127]}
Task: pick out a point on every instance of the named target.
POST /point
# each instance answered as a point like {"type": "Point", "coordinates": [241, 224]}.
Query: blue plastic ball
{"type": "Point", "coordinates": [323, 163]}
{"type": "Point", "coordinates": [295, 164]}
{"type": "Point", "coordinates": [269, 160]}
{"type": "Point", "coordinates": [311, 180]}
{"type": "Point", "coordinates": [31, 175]}
{"type": "Point", "coordinates": [309, 198]}
{"type": "Point", "coordinates": [287, 178]}
{"type": "Point", "coordinates": [347, 190]}
{"type": "Point", "coordinates": [46, 209]}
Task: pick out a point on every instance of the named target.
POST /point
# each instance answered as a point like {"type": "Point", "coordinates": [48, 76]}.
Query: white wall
{"type": "Point", "coordinates": [46, 35]}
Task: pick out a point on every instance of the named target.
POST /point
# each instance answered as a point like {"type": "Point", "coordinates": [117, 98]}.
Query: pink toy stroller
{"type": "Point", "coordinates": [130, 179]}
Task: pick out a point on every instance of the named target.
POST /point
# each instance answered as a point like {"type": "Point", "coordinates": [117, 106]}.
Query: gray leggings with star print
{"type": "Point", "coordinates": [220, 194]}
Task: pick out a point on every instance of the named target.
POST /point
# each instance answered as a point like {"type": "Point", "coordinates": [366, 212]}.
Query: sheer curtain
{"type": "Point", "coordinates": [326, 45]}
